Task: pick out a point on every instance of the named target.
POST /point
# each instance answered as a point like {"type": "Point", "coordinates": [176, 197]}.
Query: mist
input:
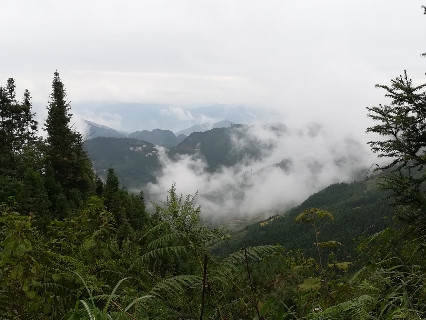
{"type": "Point", "coordinates": [295, 161]}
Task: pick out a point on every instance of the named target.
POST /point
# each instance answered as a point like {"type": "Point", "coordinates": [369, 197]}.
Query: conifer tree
{"type": "Point", "coordinates": [66, 158]}
{"type": "Point", "coordinates": [402, 124]}
{"type": "Point", "coordinates": [17, 127]}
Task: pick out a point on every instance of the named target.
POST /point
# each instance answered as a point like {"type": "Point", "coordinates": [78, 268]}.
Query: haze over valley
{"type": "Point", "coordinates": [237, 170]}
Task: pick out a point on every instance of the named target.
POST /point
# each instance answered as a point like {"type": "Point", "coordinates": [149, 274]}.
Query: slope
{"type": "Point", "coordinates": [135, 161]}
{"type": "Point", "coordinates": [360, 209]}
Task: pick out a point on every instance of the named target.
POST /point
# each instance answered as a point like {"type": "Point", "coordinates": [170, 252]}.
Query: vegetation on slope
{"type": "Point", "coordinates": [359, 208]}
{"type": "Point", "coordinates": [134, 161]}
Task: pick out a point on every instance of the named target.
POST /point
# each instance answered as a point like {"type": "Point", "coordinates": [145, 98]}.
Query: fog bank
{"type": "Point", "coordinates": [295, 162]}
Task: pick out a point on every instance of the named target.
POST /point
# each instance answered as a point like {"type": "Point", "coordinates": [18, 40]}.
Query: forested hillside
{"type": "Point", "coordinates": [134, 161]}
{"type": "Point", "coordinates": [164, 138]}
{"type": "Point", "coordinates": [360, 209]}
{"type": "Point", "coordinates": [74, 246]}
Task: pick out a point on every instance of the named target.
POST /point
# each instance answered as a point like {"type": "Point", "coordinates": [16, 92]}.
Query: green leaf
{"type": "Point", "coordinates": [265, 307]}
{"type": "Point", "coordinates": [329, 244]}
{"type": "Point", "coordinates": [344, 266]}
{"type": "Point", "coordinates": [310, 284]}
{"type": "Point", "coordinates": [313, 214]}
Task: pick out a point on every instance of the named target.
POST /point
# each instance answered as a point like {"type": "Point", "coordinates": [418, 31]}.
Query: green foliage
{"type": "Point", "coordinates": [94, 312]}
{"type": "Point", "coordinates": [68, 162]}
{"type": "Point", "coordinates": [17, 128]}
{"type": "Point", "coordinates": [134, 161]}
{"type": "Point", "coordinates": [312, 215]}
{"type": "Point", "coordinates": [359, 209]}
{"type": "Point", "coordinates": [310, 284]}
{"type": "Point", "coordinates": [356, 309]}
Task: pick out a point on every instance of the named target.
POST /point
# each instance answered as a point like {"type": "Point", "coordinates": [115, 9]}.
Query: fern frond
{"type": "Point", "coordinates": [166, 240]}
{"type": "Point", "coordinates": [161, 252]}
{"type": "Point", "coordinates": [87, 287]}
{"type": "Point", "coordinates": [355, 309]}
{"type": "Point", "coordinates": [88, 310]}
{"type": "Point", "coordinates": [176, 285]}
{"type": "Point", "coordinates": [131, 304]}
{"type": "Point", "coordinates": [112, 295]}
{"type": "Point", "coordinates": [253, 253]}
{"type": "Point", "coordinates": [158, 227]}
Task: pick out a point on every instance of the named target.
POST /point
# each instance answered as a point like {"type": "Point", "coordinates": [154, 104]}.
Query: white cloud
{"type": "Point", "coordinates": [322, 58]}
{"type": "Point", "coordinates": [179, 113]}
{"type": "Point", "coordinates": [111, 120]}
{"type": "Point", "coordinates": [310, 158]}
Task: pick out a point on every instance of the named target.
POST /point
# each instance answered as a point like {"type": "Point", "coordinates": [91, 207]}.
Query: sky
{"type": "Point", "coordinates": [302, 59]}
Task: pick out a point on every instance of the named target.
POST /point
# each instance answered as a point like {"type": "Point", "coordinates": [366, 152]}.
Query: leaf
{"type": "Point", "coordinates": [344, 266]}
{"type": "Point", "coordinates": [136, 301]}
{"type": "Point", "coordinates": [310, 284]}
{"type": "Point", "coordinates": [56, 277]}
{"type": "Point", "coordinates": [89, 312]}
{"type": "Point", "coordinates": [329, 244]}
{"type": "Point", "coordinates": [264, 307]}
{"type": "Point", "coordinates": [112, 294]}
{"type": "Point", "coordinates": [313, 214]}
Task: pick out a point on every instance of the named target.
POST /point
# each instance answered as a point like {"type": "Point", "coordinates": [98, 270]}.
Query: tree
{"type": "Point", "coordinates": [17, 128]}
{"type": "Point", "coordinates": [403, 126]}
{"type": "Point", "coordinates": [68, 161]}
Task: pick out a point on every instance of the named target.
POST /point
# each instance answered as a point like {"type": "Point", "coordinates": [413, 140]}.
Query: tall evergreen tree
{"type": "Point", "coordinates": [17, 127]}
{"type": "Point", "coordinates": [66, 158]}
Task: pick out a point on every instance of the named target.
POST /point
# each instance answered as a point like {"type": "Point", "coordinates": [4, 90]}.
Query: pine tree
{"type": "Point", "coordinates": [66, 158]}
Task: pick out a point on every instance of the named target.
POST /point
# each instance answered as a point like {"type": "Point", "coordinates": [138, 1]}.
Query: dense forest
{"type": "Point", "coordinates": [74, 246]}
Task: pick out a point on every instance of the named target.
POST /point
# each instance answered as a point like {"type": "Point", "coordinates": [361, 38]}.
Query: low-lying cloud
{"type": "Point", "coordinates": [294, 163]}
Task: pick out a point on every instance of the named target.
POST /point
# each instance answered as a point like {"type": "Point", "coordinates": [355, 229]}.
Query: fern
{"type": "Point", "coordinates": [176, 286]}
{"type": "Point", "coordinates": [163, 252]}
{"type": "Point", "coordinates": [93, 312]}
{"type": "Point", "coordinates": [163, 241]}
{"type": "Point", "coordinates": [355, 309]}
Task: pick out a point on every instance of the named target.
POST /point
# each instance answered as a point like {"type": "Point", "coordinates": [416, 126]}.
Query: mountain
{"type": "Point", "coordinates": [217, 146]}
{"type": "Point", "coordinates": [97, 130]}
{"type": "Point", "coordinates": [135, 162]}
{"type": "Point", "coordinates": [165, 138]}
{"type": "Point", "coordinates": [128, 115]}
{"type": "Point", "coordinates": [205, 127]}
{"type": "Point", "coordinates": [360, 209]}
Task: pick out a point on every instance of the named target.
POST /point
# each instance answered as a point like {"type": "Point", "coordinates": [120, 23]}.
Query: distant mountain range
{"type": "Point", "coordinates": [132, 117]}
{"type": "Point", "coordinates": [127, 155]}
{"type": "Point", "coordinates": [96, 130]}
{"type": "Point", "coordinates": [164, 138]}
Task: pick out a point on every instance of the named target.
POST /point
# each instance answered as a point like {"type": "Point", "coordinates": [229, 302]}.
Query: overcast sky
{"type": "Point", "coordinates": [301, 58]}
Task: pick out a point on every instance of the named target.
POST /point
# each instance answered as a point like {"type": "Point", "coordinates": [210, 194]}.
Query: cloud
{"type": "Point", "coordinates": [179, 113]}
{"type": "Point", "coordinates": [185, 115]}
{"type": "Point", "coordinates": [111, 120]}
{"type": "Point", "coordinates": [295, 162]}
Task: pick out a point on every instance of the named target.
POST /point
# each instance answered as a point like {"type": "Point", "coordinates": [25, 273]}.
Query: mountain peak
{"type": "Point", "coordinates": [205, 127]}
